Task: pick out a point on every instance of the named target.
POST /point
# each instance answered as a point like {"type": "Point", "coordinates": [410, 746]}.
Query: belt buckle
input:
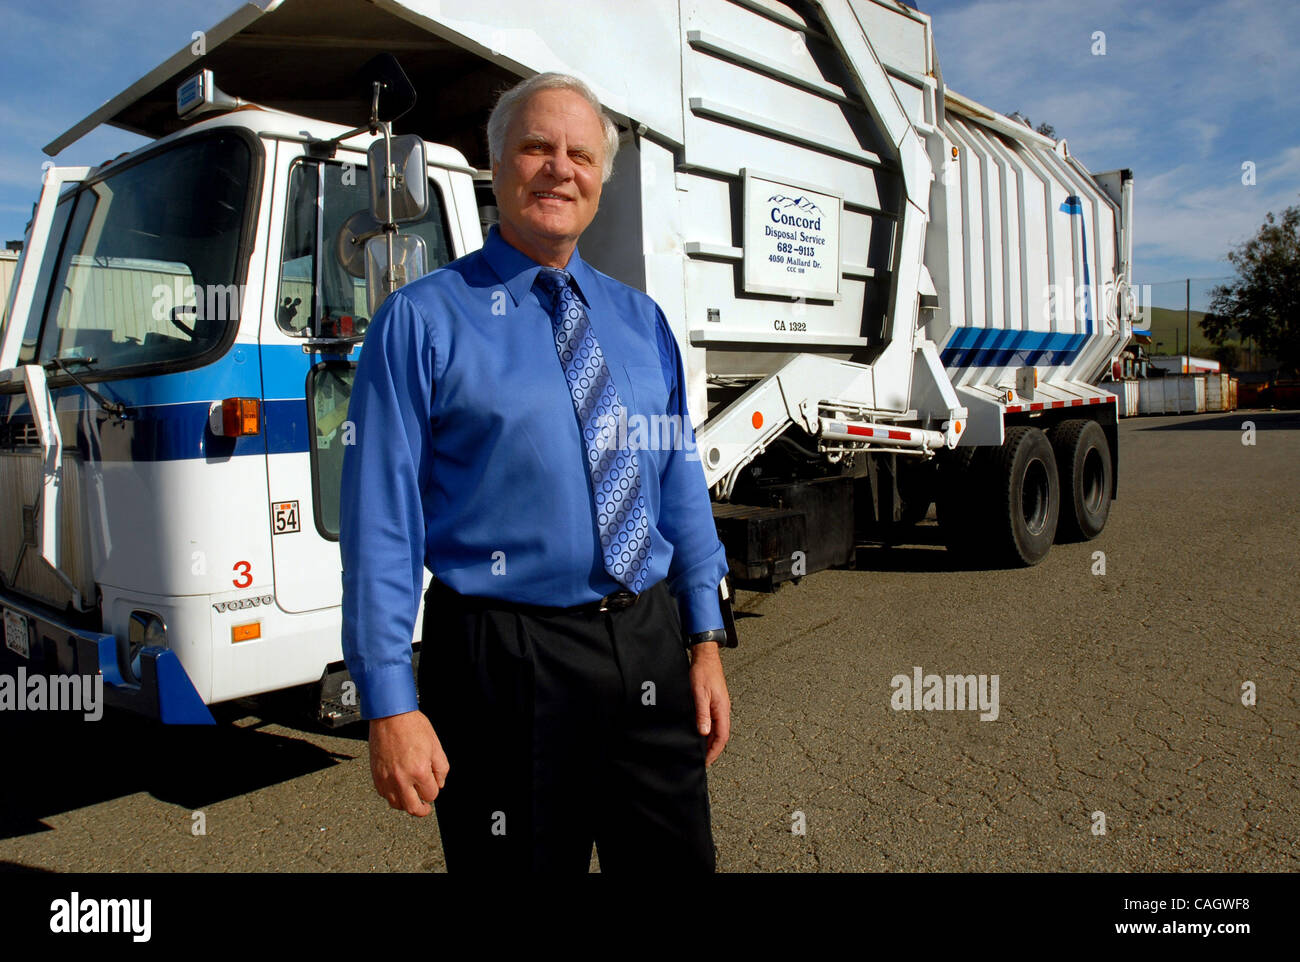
{"type": "Point", "coordinates": [618, 601]}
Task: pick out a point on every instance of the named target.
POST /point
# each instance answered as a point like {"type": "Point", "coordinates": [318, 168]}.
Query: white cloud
{"type": "Point", "coordinates": [1204, 132]}
{"type": "Point", "coordinates": [20, 169]}
{"type": "Point", "coordinates": [1179, 214]}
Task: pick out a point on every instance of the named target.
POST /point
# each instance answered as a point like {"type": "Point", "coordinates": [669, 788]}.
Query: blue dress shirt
{"type": "Point", "coordinates": [468, 459]}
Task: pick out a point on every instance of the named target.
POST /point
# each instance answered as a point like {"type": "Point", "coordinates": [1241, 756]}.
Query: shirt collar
{"type": "Point", "coordinates": [518, 271]}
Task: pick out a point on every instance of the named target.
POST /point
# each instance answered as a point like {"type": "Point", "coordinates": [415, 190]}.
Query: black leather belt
{"type": "Point", "coordinates": [617, 601]}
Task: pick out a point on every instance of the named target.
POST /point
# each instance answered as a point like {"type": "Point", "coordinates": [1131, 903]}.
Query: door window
{"type": "Point", "coordinates": [318, 296]}
{"type": "Point", "coordinates": [328, 395]}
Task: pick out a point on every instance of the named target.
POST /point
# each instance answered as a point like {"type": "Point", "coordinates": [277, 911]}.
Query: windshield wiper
{"type": "Point", "coordinates": [115, 408]}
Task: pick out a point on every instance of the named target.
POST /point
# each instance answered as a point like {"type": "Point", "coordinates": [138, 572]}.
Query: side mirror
{"type": "Point", "coordinates": [385, 274]}
{"type": "Point", "coordinates": [350, 241]}
{"type": "Point", "coordinates": [409, 178]}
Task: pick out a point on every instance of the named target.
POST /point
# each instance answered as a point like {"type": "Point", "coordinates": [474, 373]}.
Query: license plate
{"type": "Point", "coordinates": [16, 636]}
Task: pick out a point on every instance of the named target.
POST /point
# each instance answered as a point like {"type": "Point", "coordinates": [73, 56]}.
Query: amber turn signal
{"type": "Point", "coordinates": [246, 632]}
{"type": "Point", "coordinates": [236, 417]}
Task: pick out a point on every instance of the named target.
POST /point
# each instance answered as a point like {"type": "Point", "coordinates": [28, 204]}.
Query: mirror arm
{"type": "Point", "coordinates": [390, 175]}
{"type": "Point", "coordinates": [378, 85]}
{"type": "Point", "coordinates": [328, 148]}
{"type": "Point", "coordinates": [360, 239]}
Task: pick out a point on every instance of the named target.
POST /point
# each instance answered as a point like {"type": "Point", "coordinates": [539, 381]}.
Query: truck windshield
{"type": "Point", "coordinates": [149, 267]}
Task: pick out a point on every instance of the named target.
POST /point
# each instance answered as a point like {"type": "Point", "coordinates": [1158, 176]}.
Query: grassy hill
{"type": "Point", "coordinates": [1165, 321]}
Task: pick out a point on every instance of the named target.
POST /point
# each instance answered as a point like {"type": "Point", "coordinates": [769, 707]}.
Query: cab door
{"type": "Point", "coordinates": [314, 305]}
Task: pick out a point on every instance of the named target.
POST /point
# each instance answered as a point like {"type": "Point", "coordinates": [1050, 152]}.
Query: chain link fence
{"type": "Point", "coordinates": [1172, 312]}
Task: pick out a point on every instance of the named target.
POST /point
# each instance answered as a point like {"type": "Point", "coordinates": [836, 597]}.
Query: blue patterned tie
{"type": "Point", "coordinates": [622, 519]}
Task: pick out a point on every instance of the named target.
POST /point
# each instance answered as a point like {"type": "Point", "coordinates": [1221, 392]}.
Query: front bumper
{"type": "Point", "coordinates": [164, 692]}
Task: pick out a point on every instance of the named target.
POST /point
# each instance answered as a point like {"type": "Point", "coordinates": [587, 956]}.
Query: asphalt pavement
{"type": "Point", "coordinates": [1121, 741]}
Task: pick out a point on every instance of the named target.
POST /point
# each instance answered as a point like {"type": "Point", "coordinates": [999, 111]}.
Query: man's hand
{"type": "Point", "coordinates": [407, 762]}
{"type": "Point", "coordinates": [712, 704]}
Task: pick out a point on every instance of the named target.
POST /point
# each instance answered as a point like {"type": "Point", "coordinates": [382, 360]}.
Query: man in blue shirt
{"type": "Point", "coordinates": [522, 431]}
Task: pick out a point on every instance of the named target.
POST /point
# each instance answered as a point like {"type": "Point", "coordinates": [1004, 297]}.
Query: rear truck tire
{"type": "Point", "coordinates": [914, 512]}
{"type": "Point", "coordinates": [1027, 487]}
{"type": "Point", "coordinates": [961, 500]}
{"type": "Point", "coordinates": [1084, 463]}
{"type": "Point", "coordinates": [917, 482]}
{"type": "Point", "coordinates": [878, 518]}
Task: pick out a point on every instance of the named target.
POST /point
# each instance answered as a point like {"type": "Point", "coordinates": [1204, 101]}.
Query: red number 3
{"type": "Point", "coordinates": [245, 578]}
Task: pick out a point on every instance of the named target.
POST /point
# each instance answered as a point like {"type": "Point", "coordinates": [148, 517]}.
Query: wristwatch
{"type": "Point", "coordinates": [717, 634]}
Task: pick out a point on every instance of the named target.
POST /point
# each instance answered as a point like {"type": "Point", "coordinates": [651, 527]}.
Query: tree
{"type": "Point", "coordinates": [1228, 356]}
{"type": "Point", "coordinates": [1263, 301]}
{"type": "Point", "coordinates": [1047, 130]}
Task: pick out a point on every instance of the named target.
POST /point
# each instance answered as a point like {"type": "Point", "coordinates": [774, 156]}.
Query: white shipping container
{"type": "Point", "coordinates": [1216, 392]}
{"type": "Point", "coordinates": [1126, 397]}
{"type": "Point", "coordinates": [1151, 395]}
{"type": "Point", "coordinates": [1181, 394]}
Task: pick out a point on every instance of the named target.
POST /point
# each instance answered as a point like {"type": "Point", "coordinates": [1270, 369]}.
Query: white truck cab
{"type": "Point", "coordinates": [175, 405]}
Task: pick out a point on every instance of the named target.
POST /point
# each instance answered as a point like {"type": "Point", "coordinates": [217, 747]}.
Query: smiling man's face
{"type": "Point", "coordinates": [549, 177]}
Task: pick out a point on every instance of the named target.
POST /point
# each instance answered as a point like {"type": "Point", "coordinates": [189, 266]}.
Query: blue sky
{"type": "Point", "coordinates": [1186, 92]}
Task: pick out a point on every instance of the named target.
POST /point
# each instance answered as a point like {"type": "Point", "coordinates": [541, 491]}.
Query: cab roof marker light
{"type": "Point", "coordinates": [200, 94]}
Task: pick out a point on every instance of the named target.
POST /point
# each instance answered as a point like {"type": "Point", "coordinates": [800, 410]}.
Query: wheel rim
{"type": "Point", "coordinates": [1094, 482]}
{"type": "Point", "coordinates": [1033, 496]}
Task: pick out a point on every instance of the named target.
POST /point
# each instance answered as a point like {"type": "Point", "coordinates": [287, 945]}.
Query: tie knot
{"type": "Point", "coordinates": [552, 280]}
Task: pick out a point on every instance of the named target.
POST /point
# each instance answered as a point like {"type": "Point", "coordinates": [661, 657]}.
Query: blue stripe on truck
{"type": "Point", "coordinates": [998, 347]}
{"type": "Point", "coordinates": [169, 413]}
{"type": "Point", "coordinates": [1074, 207]}
{"type": "Point", "coordinates": [176, 432]}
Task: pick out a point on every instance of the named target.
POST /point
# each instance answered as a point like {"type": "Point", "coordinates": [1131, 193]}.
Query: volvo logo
{"type": "Point", "coordinates": [241, 603]}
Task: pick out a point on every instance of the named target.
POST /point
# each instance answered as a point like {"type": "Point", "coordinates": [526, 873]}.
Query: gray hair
{"type": "Point", "coordinates": [510, 101]}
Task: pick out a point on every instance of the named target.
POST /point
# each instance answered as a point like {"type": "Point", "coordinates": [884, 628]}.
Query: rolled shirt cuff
{"type": "Point", "coordinates": [700, 610]}
{"type": "Point", "coordinates": [386, 691]}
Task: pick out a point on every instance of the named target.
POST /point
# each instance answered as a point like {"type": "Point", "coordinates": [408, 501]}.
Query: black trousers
{"type": "Point", "coordinates": [562, 729]}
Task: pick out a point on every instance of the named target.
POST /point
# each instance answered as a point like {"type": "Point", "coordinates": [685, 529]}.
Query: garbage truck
{"type": "Point", "coordinates": [887, 297]}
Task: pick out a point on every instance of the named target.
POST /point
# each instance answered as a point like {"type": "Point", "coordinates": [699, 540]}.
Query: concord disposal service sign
{"type": "Point", "coordinates": [792, 239]}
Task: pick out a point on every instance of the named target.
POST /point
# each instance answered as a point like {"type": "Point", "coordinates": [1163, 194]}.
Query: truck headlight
{"type": "Point", "coordinates": [145, 629]}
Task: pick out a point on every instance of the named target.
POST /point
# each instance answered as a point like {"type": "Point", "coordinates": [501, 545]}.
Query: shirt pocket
{"type": "Point", "coordinates": [651, 431]}
{"type": "Point", "coordinates": [649, 392]}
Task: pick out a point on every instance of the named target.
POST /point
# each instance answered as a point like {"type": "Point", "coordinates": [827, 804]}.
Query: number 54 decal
{"type": "Point", "coordinates": [284, 517]}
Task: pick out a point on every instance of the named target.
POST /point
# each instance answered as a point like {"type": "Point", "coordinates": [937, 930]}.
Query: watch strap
{"type": "Point", "coordinates": [717, 634]}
